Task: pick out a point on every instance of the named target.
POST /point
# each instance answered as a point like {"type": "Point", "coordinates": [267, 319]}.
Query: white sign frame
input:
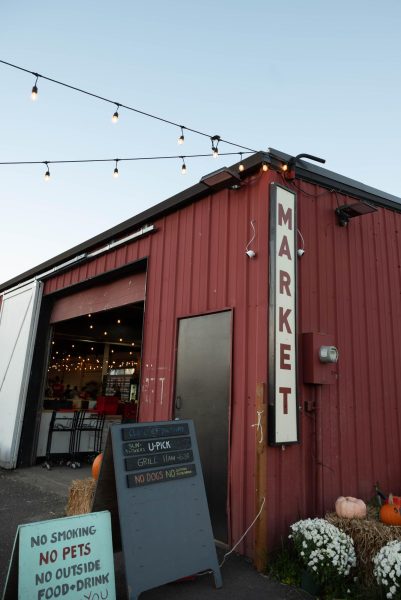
{"type": "Point", "coordinates": [283, 393]}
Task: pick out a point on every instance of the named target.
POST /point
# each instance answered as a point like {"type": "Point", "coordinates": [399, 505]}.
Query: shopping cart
{"type": "Point", "coordinates": [61, 424]}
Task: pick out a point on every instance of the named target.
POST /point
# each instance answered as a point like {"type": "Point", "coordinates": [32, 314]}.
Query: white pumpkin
{"type": "Point", "coordinates": [350, 508]}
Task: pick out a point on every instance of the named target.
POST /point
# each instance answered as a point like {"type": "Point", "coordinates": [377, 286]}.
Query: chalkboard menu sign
{"type": "Point", "coordinates": [164, 518]}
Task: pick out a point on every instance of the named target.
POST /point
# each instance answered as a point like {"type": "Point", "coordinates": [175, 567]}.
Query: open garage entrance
{"type": "Point", "coordinates": [87, 357]}
{"type": "Point", "coordinates": [95, 362]}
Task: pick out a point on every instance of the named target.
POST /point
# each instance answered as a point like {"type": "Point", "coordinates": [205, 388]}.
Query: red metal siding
{"type": "Point", "coordinates": [349, 286]}
{"type": "Point", "coordinates": [197, 264]}
{"type": "Point", "coordinates": [114, 259]}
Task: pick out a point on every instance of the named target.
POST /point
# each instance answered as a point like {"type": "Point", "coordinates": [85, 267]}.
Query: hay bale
{"type": "Point", "coordinates": [80, 496]}
{"type": "Point", "coordinates": [369, 536]}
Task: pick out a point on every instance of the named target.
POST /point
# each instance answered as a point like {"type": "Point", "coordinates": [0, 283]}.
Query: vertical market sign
{"type": "Point", "coordinates": [69, 558]}
{"type": "Point", "coordinates": [283, 405]}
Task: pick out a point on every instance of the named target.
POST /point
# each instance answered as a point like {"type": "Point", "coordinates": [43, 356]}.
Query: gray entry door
{"type": "Point", "coordinates": [202, 394]}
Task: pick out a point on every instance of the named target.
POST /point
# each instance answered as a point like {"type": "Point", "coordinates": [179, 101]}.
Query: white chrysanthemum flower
{"type": "Point", "coordinates": [387, 568]}
{"type": "Point", "coordinates": [323, 547]}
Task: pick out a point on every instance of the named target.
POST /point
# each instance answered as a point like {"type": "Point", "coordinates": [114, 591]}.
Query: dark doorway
{"type": "Point", "coordinates": [202, 394]}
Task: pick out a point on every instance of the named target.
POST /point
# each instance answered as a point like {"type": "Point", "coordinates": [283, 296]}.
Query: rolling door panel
{"type": "Point", "coordinates": [98, 298]}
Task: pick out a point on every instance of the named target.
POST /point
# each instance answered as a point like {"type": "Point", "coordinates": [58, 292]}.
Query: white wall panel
{"type": "Point", "coordinates": [19, 312]}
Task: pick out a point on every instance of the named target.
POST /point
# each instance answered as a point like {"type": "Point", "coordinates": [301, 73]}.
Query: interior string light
{"type": "Point", "coordinates": [184, 166]}
{"type": "Point", "coordinates": [181, 139]}
{"type": "Point", "coordinates": [34, 93]}
{"type": "Point", "coordinates": [47, 174]}
{"type": "Point", "coordinates": [115, 116]}
{"type": "Point", "coordinates": [115, 172]}
{"type": "Point", "coordinates": [241, 164]}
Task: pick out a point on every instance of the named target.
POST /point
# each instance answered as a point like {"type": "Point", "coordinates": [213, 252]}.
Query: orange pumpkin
{"type": "Point", "coordinates": [390, 513]}
{"type": "Point", "coordinates": [96, 466]}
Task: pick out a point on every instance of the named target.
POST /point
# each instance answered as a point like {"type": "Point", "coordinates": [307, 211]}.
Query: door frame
{"type": "Point", "coordinates": [230, 309]}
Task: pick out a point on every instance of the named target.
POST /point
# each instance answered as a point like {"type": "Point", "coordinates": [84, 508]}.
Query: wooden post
{"type": "Point", "coordinates": [260, 554]}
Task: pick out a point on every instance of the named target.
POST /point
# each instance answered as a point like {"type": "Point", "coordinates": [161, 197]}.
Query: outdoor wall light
{"type": "Point", "coordinates": [328, 354]}
{"type": "Point", "coordinates": [350, 211]}
{"type": "Point", "coordinates": [222, 178]}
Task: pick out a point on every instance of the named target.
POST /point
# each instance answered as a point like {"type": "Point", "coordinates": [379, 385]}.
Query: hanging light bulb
{"type": "Point", "coordinates": [115, 172]}
{"type": "Point", "coordinates": [181, 139]}
{"type": "Point", "coordinates": [241, 165]}
{"type": "Point", "coordinates": [115, 116]}
{"type": "Point", "coordinates": [284, 167]}
{"type": "Point", "coordinates": [265, 167]}
{"type": "Point", "coordinates": [215, 142]}
{"type": "Point", "coordinates": [34, 93]}
{"type": "Point", "coordinates": [184, 166]}
{"type": "Point", "coordinates": [47, 174]}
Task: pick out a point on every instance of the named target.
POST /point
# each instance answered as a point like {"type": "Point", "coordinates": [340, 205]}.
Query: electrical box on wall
{"type": "Point", "coordinates": [319, 358]}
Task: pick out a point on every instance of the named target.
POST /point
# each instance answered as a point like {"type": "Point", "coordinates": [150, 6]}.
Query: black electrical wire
{"type": "Point", "coordinates": [93, 160]}
{"type": "Point", "coordinates": [136, 110]}
{"type": "Point", "coordinates": [299, 188]}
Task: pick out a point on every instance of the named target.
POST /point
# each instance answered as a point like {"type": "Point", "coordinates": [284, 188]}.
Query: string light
{"type": "Point", "coordinates": [181, 139]}
{"type": "Point", "coordinates": [215, 139]}
{"type": "Point", "coordinates": [116, 160]}
{"type": "Point", "coordinates": [47, 174]}
{"type": "Point", "coordinates": [120, 105]}
{"type": "Point", "coordinates": [215, 142]}
{"type": "Point", "coordinates": [284, 167]}
{"type": "Point", "coordinates": [241, 165]}
{"type": "Point", "coordinates": [115, 172]}
{"type": "Point", "coordinates": [265, 167]}
{"type": "Point", "coordinates": [34, 93]}
{"type": "Point", "coordinates": [115, 116]}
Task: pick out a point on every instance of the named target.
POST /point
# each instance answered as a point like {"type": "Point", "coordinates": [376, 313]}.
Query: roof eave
{"type": "Point", "coordinates": [304, 170]}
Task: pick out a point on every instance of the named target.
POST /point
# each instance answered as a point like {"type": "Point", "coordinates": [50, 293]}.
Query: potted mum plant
{"type": "Point", "coordinates": [387, 569]}
{"type": "Point", "coordinates": [326, 553]}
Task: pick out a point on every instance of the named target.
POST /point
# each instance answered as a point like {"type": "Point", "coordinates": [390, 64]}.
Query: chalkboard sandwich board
{"type": "Point", "coordinates": [163, 513]}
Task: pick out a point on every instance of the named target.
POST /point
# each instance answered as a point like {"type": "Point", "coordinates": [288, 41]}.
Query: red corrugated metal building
{"type": "Point", "coordinates": [201, 266]}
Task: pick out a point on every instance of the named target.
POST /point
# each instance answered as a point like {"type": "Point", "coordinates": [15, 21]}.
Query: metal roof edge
{"type": "Point", "coordinates": [321, 176]}
{"type": "Point", "coordinates": [187, 196]}
{"type": "Point", "coordinates": [304, 170]}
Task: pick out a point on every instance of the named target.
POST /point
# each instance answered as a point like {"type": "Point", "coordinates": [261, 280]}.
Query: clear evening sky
{"type": "Point", "coordinates": [314, 76]}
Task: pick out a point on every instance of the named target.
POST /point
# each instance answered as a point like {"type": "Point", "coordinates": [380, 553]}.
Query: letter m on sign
{"type": "Point", "coordinates": [282, 367]}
